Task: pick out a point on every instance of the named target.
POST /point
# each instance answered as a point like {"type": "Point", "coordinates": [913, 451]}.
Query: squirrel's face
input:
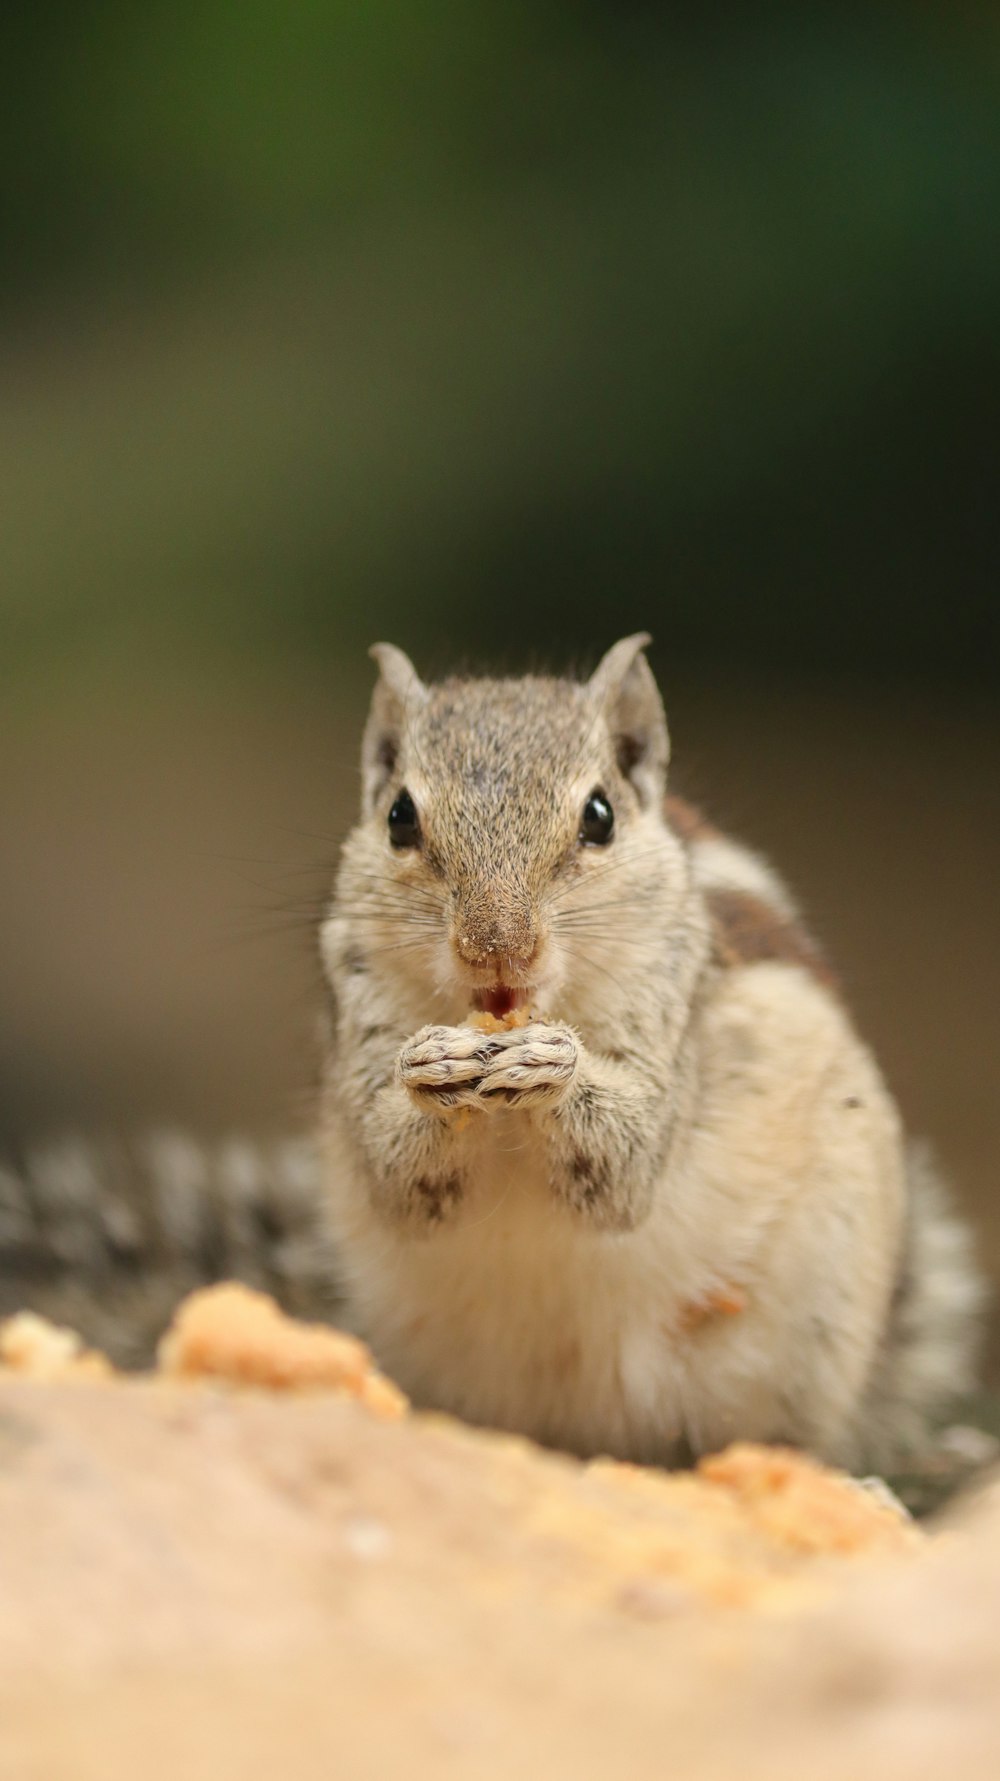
{"type": "Point", "coordinates": [507, 827]}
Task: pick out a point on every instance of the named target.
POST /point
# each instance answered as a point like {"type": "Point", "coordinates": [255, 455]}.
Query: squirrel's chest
{"type": "Point", "coordinates": [520, 1318]}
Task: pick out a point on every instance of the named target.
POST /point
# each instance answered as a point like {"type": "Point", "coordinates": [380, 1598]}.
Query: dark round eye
{"type": "Point", "coordinates": [597, 825]}
{"type": "Point", "coordinates": [404, 829]}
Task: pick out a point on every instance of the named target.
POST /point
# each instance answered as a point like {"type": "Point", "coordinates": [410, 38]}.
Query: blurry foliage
{"type": "Point", "coordinates": [500, 328]}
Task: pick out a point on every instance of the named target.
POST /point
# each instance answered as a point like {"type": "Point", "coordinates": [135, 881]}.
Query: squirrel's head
{"type": "Point", "coordinates": [505, 823]}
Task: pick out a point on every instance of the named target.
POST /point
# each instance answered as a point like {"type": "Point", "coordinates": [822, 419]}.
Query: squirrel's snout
{"type": "Point", "coordinates": [510, 952]}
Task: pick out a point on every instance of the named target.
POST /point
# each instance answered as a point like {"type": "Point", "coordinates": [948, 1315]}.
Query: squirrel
{"type": "Point", "coordinates": [668, 1204]}
{"type": "Point", "coordinates": [600, 1158]}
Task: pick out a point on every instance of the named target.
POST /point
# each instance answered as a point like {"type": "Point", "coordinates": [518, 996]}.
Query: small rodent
{"type": "Point", "coordinates": [678, 1209]}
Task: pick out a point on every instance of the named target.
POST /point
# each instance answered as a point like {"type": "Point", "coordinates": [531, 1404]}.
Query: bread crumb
{"type": "Point", "coordinates": [797, 1502]}
{"type": "Point", "coordinates": [233, 1333]}
{"type": "Point", "coordinates": [227, 1332]}
{"type": "Point", "coordinates": [460, 1118]}
{"type": "Point", "coordinates": [725, 1301]}
{"type": "Point", "coordinates": [37, 1349]}
{"type": "Point", "coordinates": [498, 1023]}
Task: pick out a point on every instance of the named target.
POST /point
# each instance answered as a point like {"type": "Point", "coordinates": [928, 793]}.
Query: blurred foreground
{"type": "Point", "coordinates": [286, 1585]}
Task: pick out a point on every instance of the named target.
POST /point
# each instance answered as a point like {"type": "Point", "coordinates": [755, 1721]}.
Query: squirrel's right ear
{"type": "Point", "coordinates": [623, 686]}
{"type": "Point", "coordinates": [398, 691]}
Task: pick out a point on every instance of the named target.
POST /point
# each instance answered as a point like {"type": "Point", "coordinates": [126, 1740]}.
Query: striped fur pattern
{"type": "Point", "coordinates": [107, 1237]}
{"type": "Point", "coordinates": [676, 1207]}
{"type": "Point", "coordinates": [751, 915]}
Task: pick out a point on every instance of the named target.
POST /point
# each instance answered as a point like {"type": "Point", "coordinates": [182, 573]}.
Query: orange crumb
{"type": "Point", "coordinates": [798, 1502]}
{"type": "Point", "coordinates": [233, 1333]}
{"type": "Point", "coordinates": [725, 1301]}
{"type": "Point", "coordinates": [37, 1349]}
{"type": "Point", "coordinates": [502, 1023]}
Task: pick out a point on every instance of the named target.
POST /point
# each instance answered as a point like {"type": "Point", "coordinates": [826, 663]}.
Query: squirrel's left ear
{"type": "Point", "coordinates": [398, 691]}
{"type": "Point", "coordinates": [622, 685]}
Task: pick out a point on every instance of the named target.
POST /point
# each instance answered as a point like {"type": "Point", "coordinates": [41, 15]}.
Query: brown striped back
{"type": "Point", "coordinates": [747, 931]}
{"type": "Point", "coordinates": [746, 928]}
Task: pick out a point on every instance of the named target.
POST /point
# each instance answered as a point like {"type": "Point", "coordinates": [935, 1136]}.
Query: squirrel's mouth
{"type": "Point", "coordinates": [500, 1000]}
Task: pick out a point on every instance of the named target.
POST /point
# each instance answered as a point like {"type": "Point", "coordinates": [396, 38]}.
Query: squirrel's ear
{"type": "Point", "coordinates": [398, 691]}
{"type": "Point", "coordinates": [622, 685]}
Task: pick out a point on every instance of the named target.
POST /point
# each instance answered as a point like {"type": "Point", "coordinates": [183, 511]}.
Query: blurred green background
{"type": "Point", "coordinates": [499, 331]}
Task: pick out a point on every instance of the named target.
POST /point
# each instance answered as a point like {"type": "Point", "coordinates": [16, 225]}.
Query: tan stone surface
{"type": "Point", "coordinates": [197, 1580]}
{"type": "Point", "coordinates": [200, 1582]}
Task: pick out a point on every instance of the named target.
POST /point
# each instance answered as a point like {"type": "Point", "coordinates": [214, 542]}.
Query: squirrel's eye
{"type": "Point", "coordinates": [404, 829]}
{"type": "Point", "coordinates": [597, 825]}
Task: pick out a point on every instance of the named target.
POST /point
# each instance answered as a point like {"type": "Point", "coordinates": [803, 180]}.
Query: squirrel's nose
{"type": "Point", "coordinates": [514, 953]}
{"type": "Point", "coordinates": [497, 930]}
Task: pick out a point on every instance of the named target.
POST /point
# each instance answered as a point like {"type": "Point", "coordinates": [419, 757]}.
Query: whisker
{"type": "Point", "coordinates": [316, 913]}
{"type": "Point", "coordinates": [398, 946]}
{"type": "Point", "coordinates": [601, 925]}
{"type": "Point", "coordinates": [606, 937]}
{"type": "Point", "coordinates": [609, 906]}
{"type": "Point", "coordinates": [595, 872]}
{"type": "Point", "coordinates": [409, 893]}
{"type": "Point", "coordinates": [492, 1211]}
{"type": "Point", "coordinates": [284, 828]}
{"type": "Point", "coordinates": [239, 936]}
{"type": "Point", "coordinates": [386, 919]}
{"type": "Point", "coordinates": [380, 892]}
{"type": "Point", "coordinates": [592, 964]}
{"type": "Point", "coordinates": [272, 912]}
{"type": "Point", "coordinates": [614, 906]}
{"type": "Point", "coordinates": [392, 912]}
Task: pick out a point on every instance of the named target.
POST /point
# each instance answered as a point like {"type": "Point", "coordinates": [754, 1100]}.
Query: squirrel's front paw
{"type": "Point", "coordinates": [531, 1064]}
{"type": "Point", "coordinates": [443, 1067]}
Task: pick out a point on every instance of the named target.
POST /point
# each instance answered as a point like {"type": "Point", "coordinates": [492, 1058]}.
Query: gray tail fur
{"type": "Point", "coordinates": [108, 1237]}
{"type": "Point", "coordinates": [931, 1349]}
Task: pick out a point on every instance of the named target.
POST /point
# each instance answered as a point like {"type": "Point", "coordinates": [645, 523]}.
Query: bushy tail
{"type": "Point", "coordinates": [108, 1237]}
{"type": "Point", "coordinates": [928, 1360]}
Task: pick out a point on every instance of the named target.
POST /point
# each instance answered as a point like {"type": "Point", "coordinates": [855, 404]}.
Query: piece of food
{"type": "Point", "coordinates": [725, 1301]}
{"type": "Point", "coordinates": [37, 1349]}
{"type": "Point", "coordinates": [802, 1504]}
{"type": "Point", "coordinates": [459, 1118]}
{"type": "Point", "coordinates": [231, 1332]}
{"type": "Point", "coordinates": [485, 1022]}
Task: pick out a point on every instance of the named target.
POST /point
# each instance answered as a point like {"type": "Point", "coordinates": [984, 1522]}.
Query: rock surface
{"type": "Point", "coordinates": [202, 1582]}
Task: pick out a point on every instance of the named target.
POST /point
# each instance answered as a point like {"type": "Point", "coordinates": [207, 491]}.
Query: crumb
{"type": "Point", "coordinates": [460, 1118]}
{"type": "Point", "coordinates": [225, 1332]}
{"type": "Point", "coordinates": [37, 1349]}
{"type": "Point", "coordinates": [726, 1301]}
{"type": "Point", "coordinates": [232, 1333]}
{"type": "Point", "coordinates": [485, 1022]}
{"type": "Point", "coordinates": [801, 1504]}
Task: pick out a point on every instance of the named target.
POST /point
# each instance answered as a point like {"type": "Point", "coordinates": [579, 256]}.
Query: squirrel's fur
{"type": "Point", "coordinates": [108, 1237]}
{"type": "Point", "coordinates": [673, 1209]}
